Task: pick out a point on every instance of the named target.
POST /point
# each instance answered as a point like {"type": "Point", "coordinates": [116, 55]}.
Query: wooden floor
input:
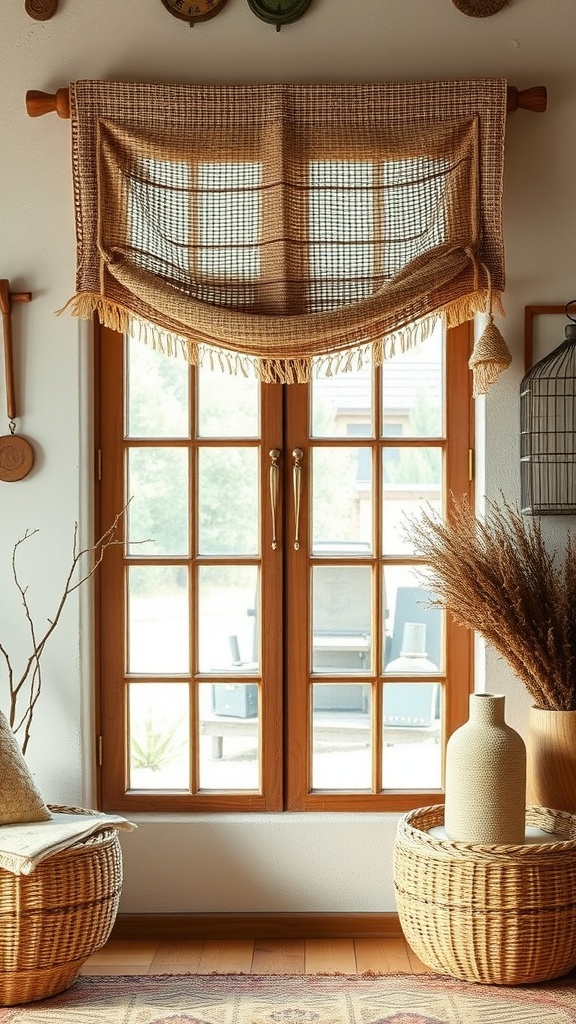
{"type": "Point", "coordinates": [255, 956]}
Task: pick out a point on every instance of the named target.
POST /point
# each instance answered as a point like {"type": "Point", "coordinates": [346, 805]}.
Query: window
{"type": "Point", "coordinates": [264, 636]}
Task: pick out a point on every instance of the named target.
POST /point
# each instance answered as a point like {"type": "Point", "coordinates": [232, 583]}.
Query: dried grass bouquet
{"type": "Point", "coordinates": [495, 575]}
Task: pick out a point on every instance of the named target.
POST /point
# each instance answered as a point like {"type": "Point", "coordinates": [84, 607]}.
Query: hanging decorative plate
{"type": "Point", "coordinates": [41, 10]}
{"type": "Point", "coordinates": [16, 457]}
{"type": "Point", "coordinates": [194, 10]}
{"type": "Point", "coordinates": [279, 12]}
{"type": "Point", "coordinates": [479, 8]}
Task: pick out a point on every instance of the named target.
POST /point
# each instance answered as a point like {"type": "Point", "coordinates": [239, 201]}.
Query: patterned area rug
{"type": "Point", "coordinates": [312, 999]}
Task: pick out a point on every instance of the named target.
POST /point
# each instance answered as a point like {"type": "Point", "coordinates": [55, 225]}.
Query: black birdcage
{"type": "Point", "coordinates": [548, 431]}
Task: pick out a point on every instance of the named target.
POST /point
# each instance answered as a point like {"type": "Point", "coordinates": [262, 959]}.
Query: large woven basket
{"type": "Point", "coordinates": [501, 915]}
{"type": "Point", "coordinates": [52, 920]}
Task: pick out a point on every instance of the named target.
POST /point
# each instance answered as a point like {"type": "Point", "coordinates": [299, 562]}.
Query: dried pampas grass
{"type": "Point", "coordinates": [496, 576]}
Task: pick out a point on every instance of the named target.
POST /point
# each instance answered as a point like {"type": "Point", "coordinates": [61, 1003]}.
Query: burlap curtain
{"type": "Point", "coordinates": [289, 226]}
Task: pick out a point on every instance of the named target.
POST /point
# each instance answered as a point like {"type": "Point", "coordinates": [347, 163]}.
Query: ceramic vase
{"type": "Point", "coordinates": [485, 777]}
{"type": "Point", "coordinates": [551, 758]}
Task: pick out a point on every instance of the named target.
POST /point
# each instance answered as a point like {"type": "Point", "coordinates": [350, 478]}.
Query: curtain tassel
{"type": "Point", "coordinates": [491, 355]}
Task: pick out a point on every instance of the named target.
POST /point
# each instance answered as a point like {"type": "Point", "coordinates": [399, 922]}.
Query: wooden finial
{"type": "Point", "coordinates": [39, 103]}
{"type": "Point", "coordinates": [534, 99]}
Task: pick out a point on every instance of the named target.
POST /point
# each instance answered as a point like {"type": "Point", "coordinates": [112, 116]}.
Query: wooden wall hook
{"type": "Point", "coordinates": [16, 452]}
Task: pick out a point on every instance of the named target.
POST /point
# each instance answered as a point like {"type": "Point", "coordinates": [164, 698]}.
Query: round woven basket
{"type": "Point", "coordinates": [500, 915]}
{"type": "Point", "coordinates": [52, 920]}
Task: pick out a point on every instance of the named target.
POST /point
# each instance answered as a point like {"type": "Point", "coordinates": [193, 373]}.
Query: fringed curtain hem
{"type": "Point", "coordinates": [286, 370]}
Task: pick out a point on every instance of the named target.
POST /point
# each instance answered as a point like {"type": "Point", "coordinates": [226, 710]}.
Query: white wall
{"type": "Point", "coordinates": [251, 863]}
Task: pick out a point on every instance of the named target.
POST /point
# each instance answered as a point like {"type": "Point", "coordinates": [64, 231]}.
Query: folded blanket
{"type": "Point", "coordinates": [24, 846]}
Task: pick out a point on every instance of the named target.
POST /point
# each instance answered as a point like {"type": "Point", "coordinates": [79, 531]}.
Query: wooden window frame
{"type": "Point", "coordinates": [285, 716]}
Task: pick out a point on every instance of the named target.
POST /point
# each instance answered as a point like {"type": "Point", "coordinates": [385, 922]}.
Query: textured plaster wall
{"type": "Point", "coordinates": [252, 863]}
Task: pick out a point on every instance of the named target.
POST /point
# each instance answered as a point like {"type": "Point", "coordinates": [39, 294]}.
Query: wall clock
{"type": "Point", "coordinates": [279, 12]}
{"type": "Point", "coordinates": [194, 10]}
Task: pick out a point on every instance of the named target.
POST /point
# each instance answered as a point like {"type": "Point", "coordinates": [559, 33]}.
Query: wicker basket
{"type": "Point", "coordinates": [501, 915]}
{"type": "Point", "coordinates": [52, 920]}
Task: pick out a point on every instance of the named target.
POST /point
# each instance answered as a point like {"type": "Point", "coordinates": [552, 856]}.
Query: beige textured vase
{"type": "Point", "coordinates": [551, 759]}
{"type": "Point", "coordinates": [485, 777]}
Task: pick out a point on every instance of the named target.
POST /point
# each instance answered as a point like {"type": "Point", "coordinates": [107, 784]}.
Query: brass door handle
{"type": "Point", "coordinates": [297, 455]}
{"type": "Point", "coordinates": [274, 479]}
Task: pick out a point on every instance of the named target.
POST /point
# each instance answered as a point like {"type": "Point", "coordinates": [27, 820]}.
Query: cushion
{"type": "Point", "coordinates": [19, 798]}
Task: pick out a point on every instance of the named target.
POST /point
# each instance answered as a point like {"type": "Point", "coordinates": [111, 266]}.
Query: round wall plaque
{"type": "Point", "coordinates": [41, 10]}
{"type": "Point", "coordinates": [279, 12]}
{"type": "Point", "coordinates": [194, 10]}
{"type": "Point", "coordinates": [16, 457]}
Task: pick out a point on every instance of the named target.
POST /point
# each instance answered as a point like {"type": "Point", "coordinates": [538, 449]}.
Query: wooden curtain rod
{"type": "Point", "coordinates": [38, 103]}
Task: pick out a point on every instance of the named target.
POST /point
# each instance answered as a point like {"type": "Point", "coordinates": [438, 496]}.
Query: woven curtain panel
{"type": "Point", "coordinates": [287, 226]}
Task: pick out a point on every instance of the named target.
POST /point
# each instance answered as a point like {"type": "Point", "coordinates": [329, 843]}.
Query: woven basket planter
{"type": "Point", "coordinates": [500, 915]}
{"type": "Point", "coordinates": [52, 920]}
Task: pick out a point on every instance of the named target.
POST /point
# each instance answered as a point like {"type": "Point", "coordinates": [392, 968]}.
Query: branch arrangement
{"type": "Point", "coordinates": [25, 691]}
{"type": "Point", "coordinates": [496, 576]}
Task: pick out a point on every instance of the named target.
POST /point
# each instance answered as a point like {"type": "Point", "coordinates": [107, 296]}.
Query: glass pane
{"type": "Point", "coordinates": [158, 509]}
{"type": "Point", "coordinates": [229, 223]}
{"type": "Point", "coordinates": [228, 404]}
{"type": "Point", "coordinates": [341, 618]}
{"type": "Point", "coordinates": [156, 392]}
{"type": "Point", "coordinates": [159, 736]}
{"type": "Point", "coordinates": [410, 621]}
{"type": "Point", "coordinates": [228, 601]}
{"type": "Point", "coordinates": [341, 737]}
{"type": "Point", "coordinates": [342, 403]}
{"type": "Point", "coordinates": [341, 500]}
{"type": "Point", "coordinates": [158, 619]}
{"type": "Point", "coordinates": [412, 389]}
{"type": "Point", "coordinates": [228, 500]}
{"type": "Point", "coordinates": [341, 232]}
{"type": "Point", "coordinates": [412, 756]}
{"type": "Point", "coordinates": [407, 202]}
{"type": "Point", "coordinates": [412, 478]}
{"type": "Point", "coordinates": [229, 736]}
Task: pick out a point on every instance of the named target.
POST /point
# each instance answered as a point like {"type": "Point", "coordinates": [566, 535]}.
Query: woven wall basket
{"type": "Point", "coordinates": [479, 8]}
{"type": "Point", "coordinates": [52, 920]}
{"type": "Point", "coordinates": [501, 915]}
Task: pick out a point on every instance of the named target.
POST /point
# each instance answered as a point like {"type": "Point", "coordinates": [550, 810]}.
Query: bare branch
{"type": "Point", "coordinates": [29, 686]}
